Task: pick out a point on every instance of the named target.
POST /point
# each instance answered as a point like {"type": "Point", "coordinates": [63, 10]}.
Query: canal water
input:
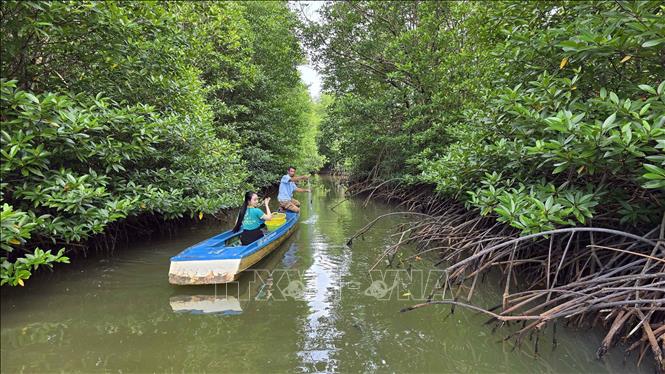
{"type": "Point", "coordinates": [311, 306]}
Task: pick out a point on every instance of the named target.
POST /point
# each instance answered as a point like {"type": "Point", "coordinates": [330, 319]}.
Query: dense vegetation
{"type": "Point", "coordinates": [540, 114]}
{"type": "Point", "coordinates": [113, 110]}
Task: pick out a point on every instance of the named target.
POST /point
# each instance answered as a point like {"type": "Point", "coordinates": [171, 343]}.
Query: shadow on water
{"type": "Point", "coordinates": [311, 306]}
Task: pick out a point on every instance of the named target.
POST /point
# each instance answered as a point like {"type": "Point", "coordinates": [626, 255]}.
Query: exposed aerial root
{"type": "Point", "coordinates": [576, 274]}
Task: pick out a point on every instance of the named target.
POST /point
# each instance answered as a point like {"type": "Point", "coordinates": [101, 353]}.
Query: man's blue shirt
{"type": "Point", "coordinates": [286, 188]}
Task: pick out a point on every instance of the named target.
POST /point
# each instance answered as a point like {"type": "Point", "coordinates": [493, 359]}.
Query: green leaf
{"type": "Point", "coordinates": [609, 121]}
{"type": "Point", "coordinates": [626, 104]}
{"type": "Point", "coordinates": [614, 98]}
{"type": "Point", "coordinates": [653, 176]}
{"type": "Point", "coordinates": [655, 170]}
{"type": "Point", "coordinates": [32, 97]}
{"type": "Point", "coordinates": [653, 42]}
{"type": "Point", "coordinates": [569, 45]}
{"type": "Point", "coordinates": [647, 88]}
{"type": "Point", "coordinates": [659, 184]}
{"type": "Point", "coordinates": [560, 168]}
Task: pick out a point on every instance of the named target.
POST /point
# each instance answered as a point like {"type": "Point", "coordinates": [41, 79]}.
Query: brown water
{"type": "Point", "coordinates": [313, 307]}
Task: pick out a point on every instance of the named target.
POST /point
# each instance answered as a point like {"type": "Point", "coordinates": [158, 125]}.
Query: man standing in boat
{"type": "Point", "coordinates": [286, 188]}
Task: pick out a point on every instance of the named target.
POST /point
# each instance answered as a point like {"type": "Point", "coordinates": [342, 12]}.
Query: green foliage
{"type": "Point", "coordinates": [269, 115]}
{"type": "Point", "coordinates": [15, 229]}
{"type": "Point", "coordinates": [311, 160]}
{"type": "Point", "coordinates": [541, 114]}
{"type": "Point", "coordinates": [397, 81]}
{"type": "Point", "coordinates": [119, 109]}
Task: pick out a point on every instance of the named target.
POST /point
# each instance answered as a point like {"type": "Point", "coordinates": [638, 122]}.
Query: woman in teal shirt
{"type": "Point", "coordinates": [250, 219]}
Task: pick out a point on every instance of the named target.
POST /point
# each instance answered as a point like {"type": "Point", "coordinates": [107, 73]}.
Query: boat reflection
{"type": "Point", "coordinates": [205, 304]}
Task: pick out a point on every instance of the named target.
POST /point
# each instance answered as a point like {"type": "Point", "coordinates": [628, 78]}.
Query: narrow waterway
{"type": "Point", "coordinates": [311, 306]}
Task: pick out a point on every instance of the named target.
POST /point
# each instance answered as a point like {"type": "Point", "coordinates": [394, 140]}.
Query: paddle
{"type": "Point", "coordinates": [309, 187]}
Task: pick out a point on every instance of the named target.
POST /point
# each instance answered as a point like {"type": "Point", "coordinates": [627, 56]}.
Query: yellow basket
{"type": "Point", "coordinates": [272, 225]}
{"type": "Point", "coordinates": [278, 217]}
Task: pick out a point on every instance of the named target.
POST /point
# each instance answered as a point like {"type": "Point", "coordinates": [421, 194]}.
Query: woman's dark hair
{"type": "Point", "coordinates": [243, 210]}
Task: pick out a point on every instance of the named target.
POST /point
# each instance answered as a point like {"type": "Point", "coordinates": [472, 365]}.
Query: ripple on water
{"type": "Point", "coordinates": [120, 314]}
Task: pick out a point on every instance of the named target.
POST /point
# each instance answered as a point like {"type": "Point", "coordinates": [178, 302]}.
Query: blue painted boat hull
{"type": "Point", "coordinates": [215, 260]}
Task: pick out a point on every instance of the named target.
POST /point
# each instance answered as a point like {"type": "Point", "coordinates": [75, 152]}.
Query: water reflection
{"type": "Point", "coordinates": [305, 307]}
{"type": "Point", "coordinates": [291, 256]}
{"type": "Point", "coordinates": [204, 304]}
{"type": "Point", "coordinates": [322, 291]}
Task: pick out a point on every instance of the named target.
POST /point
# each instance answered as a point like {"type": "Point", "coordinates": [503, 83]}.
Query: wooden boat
{"type": "Point", "coordinates": [229, 298]}
{"type": "Point", "coordinates": [222, 258]}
